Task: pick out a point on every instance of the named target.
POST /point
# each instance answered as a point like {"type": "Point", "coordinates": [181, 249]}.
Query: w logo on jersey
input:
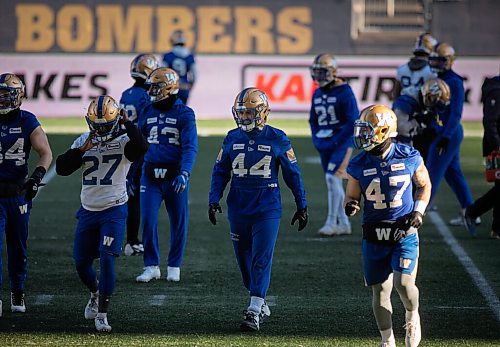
{"type": "Point", "coordinates": [383, 233]}
{"type": "Point", "coordinates": [23, 208]}
{"type": "Point", "coordinates": [108, 240]}
{"type": "Point", "coordinates": [160, 173]}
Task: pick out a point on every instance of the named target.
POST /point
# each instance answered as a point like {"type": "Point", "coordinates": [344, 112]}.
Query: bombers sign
{"type": "Point", "coordinates": [62, 85]}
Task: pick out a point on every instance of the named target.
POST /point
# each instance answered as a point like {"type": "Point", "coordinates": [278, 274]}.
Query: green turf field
{"type": "Point", "coordinates": [316, 288]}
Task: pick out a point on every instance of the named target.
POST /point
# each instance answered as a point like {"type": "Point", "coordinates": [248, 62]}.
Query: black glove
{"type": "Point", "coordinates": [351, 208]}
{"type": "Point", "coordinates": [32, 184]}
{"type": "Point", "coordinates": [414, 219]}
{"type": "Point", "coordinates": [212, 209]}
{"type": "Point", "coordinates": [301, 216]}
{"type": "Point", "coordinates": [442, 145]}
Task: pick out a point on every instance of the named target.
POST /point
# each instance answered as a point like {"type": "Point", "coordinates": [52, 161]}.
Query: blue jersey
{"type": "Point", "coordinates": [181, 63]}
{"type": "Point", "coordinates": [253, 160]}
{"type": "Point", "coordinates": [448, 120]}
{"type": "Point", "coordinates": [332, 117]}
{"type": "Point", "coordinates": [386, 183]}
{"type": "Point", "coordinates": [15, 146]}
{"type": "Point", "coordinates": [171, 135]}
{"type": "Point", "coordinates": [135, 100]}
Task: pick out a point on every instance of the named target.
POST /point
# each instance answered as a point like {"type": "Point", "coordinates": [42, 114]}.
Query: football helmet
{"type": "Point", "coordinates": [435, 93]}
{"type": "Point", "coordinates": [251, 109]}
{"type": "Point", "coordinates": [424, 44]}
{"type": "Point", "coordinates": [143, 65]}
{"type": "Point", "coordinates": [162, 82]}
{"type": "Point", "coordinates": [177, 38]}
{"type": "Point", "coordinates": [323, 69]}
{"type": "Point", "coordinates": [376, 124]}
{"type": "Point", "coordinates": [442, 58]}
{"type": "Point", "coordinates": [103, 116]}
{"type": "Point", "coordinates": [12, 92]}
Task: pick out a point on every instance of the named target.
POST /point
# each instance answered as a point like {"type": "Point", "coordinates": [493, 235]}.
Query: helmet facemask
{"type": "Point", "coordinates": [103, 118]}
{"type": "Point", "coordinates": [12, 92]}
{"type": "Point", "coordinates": [376, 125]}
{"type": "Point", "coordinates": [247, 118]}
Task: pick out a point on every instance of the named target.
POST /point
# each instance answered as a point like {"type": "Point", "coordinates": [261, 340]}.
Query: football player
{"type": "Point", "coordinates": [181, 60]}
{"type": "Point", "coordinates": [170, 128]}
{"type": "Point", "coordinates": [382, 174]}
{"type": "Point", "coordinates": [104, 154]}
{"type": "Point", "coordinates": [250, 158]}
{"type": "Point", "coordinates": [410, 78]}
{"type": "Point", "coordinates": [333, 111]}
{"type": "Point", "coordinates": [134, 100]}
{"type": "Point", "coordinates": [20, 131]}
{"type": "Point", "coordinates": [444, 152]}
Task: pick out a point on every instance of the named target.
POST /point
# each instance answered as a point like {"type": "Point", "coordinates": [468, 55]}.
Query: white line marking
{"type": "Point", "coordinates": [43, 299]}
{"type": "Point", "coordinates": [476, 275]}
{"type": "Point", "coordinates": [157, 300]}
{"type": "Point", "coordinates": [271, 300]}
{"type": "Point", "coordinates": [312, 160]}
{"type": "Point", "coordinates": [462, 307]}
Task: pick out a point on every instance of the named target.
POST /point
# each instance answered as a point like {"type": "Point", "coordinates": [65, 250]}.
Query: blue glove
{"type": "Point", "coordinates": [130, 188]}
{"type": "Point", "coordinates": [180, 182]}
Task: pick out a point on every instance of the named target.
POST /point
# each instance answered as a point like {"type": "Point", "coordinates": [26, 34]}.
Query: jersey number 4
{"type": "Point", "coordinates": [16, 152]}
{"type": "Point", "coordinates": [260, 168]}
{"type": "Point", "coordinates": [114, 159]}
{"type": "Point", "coordinates": [153, 135]}
{"type": "Point", "coordinates": [374, 193]}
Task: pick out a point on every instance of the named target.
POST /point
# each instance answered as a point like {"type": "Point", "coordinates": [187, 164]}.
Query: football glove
{"type": "Point", "coordinates": [301, 216]}
{"type": "Point", "coordinates": [442, 145]}
{"type": "Point", "coordinates": [180, 182]}
{"type": "Point", "coordinates": [212, 210]}
{"type": "Point", "coordinates": [351, 208]}
{"type": "Point", "coordinates": [414, 219]}
{"type": "Point", "coordinates": [32, 184]}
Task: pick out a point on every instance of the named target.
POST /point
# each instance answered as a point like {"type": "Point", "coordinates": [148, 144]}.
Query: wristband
{"type": "Point", "coordinates": [420, 206]}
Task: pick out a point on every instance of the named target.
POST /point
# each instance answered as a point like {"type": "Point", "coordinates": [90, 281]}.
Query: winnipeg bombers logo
{"type": "Point", "coordinates": [23, 208]}
{"type": "Point", "coordinates": [160, 173]}
{"type": "Point", "coordinates": [383, 233]}
{"type": "Point", "coordinates": [108, 240]}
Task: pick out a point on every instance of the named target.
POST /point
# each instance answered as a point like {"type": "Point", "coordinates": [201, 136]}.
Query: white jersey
{"type": "Point", "coordinates": [104, 173]}
{"type": "Point", "coordinates": [412, 80]}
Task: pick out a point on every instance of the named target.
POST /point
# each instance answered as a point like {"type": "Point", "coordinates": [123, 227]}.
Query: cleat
{"type": "Point", "coordinates": [344, 229]}
{"type": "Point", "coordinates": [150, 272]}
{"type": "Point", "coordinates": [265, 312]}
{"type": "Point", "coordinates": [250, 321]}
{"type": "Point", "coordinates": [17, 302]}
{"type": "Point", "coordinates": [136, 249]}
{"type": "Point", "coordinates": [173, 274]}
{"type": "Point", "coordinates": [390, 343]}
{"type": "Point", "coordinates": [494, 235]}
{"type": "Point", "coordinates": [101, 323]}
{"type": "Point", "coordinates": [91, 308]}
{"type": "Point", "coordinates": [459, 221]}
{"type": "Point", "coordinates": [469, 223]}
{"type": "Point", "coordinates": [328, 230]}
{"type": "Point", "coordinates": [413, 332]}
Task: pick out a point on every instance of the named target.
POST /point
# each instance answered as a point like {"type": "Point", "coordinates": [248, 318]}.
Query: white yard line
{"type": "Point", "coordinates": [271, 300]}
{"type": "Point", "coordinates": [157, 300]}
{"type": "Point", "coordinates": [43, 299]}
{"type": "Point", "coordinates": [476, 275]}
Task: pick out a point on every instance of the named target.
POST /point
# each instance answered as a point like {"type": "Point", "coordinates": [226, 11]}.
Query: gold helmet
{"type": "Point", "coordinates": [103, 116]}
{"type": "Point", "coordinates": [143, 65]}
{"type": "Point", "coordinates": [376, 124]}
{"type": "Point", "coordinates": [177, 38]}
{"type": "Point", "coordinates": [435, 93]}
{"type": "Point", "coordinates": [12, 92]}
{"type": "Point", "coordinates": [163, 82]}
{"type": "Point", "coordinates": [424, 44]}
{"type": "Point", "coordinates": [442, 58]}
{"type": "Point", "coordinates": [323, 69]}
{"type": "Point", "coordinates": [251, 109]}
